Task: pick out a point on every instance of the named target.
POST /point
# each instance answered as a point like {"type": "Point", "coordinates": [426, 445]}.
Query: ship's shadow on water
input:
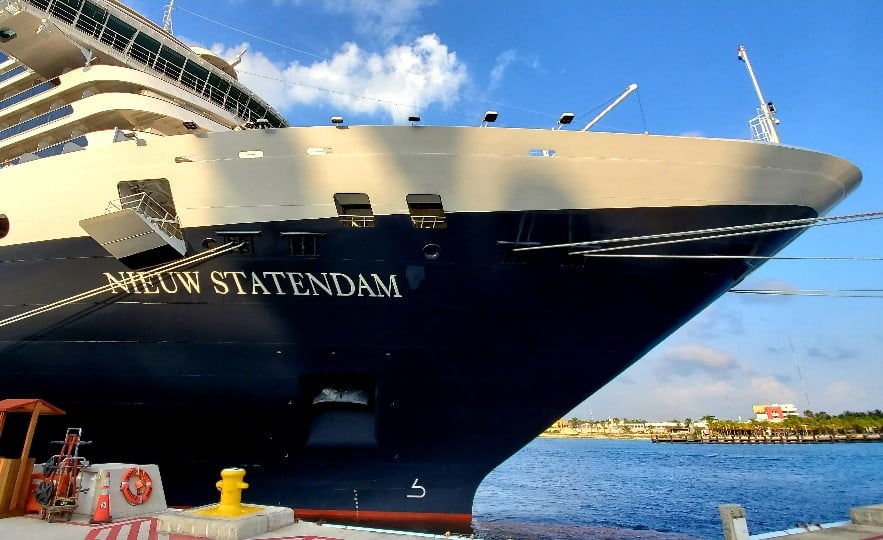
{"type": "Point", "coordinates": [550, 531]}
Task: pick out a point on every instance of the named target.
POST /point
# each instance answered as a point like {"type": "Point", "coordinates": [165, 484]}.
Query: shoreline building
{"type": "Point", "coordinates": [774, 412]}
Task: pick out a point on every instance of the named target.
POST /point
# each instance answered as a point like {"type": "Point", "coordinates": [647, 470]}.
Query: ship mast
{"type": "Point", "coordinates": [167, 18]}
{"type": "Point", "coordinates": [764, 125]}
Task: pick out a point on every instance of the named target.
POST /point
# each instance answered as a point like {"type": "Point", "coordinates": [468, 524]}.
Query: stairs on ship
{"type": "Point", "coordinates": [138, 231]}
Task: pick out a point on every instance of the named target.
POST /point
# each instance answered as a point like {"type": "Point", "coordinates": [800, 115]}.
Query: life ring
{"type": "Point", "coordinates": [137, 492]}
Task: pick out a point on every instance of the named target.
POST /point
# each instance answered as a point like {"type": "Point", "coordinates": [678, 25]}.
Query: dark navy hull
{"type": "Point", "coordinates": [466, 359]}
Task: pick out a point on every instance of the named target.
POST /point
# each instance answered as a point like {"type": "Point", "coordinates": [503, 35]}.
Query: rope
{"type": "Point", "coordinates": [641, 106]}
{"type": "Point", "coordinates": [331, 91]}
{"type": "Point", "coordinates": [174, 265]}
{"type": "Point", "coordinates": [834, 293]}
{"type": "Point", "coordinates": [712, 233]}
{"type": "Point", "coordinates": [249, 34]}
{"type": "Point", "coordinates": [745, 257]}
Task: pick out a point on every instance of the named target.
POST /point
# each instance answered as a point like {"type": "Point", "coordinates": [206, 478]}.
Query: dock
{"type": "Point", "coordinates": [768, 439]}
{"type": "Point", "coordinates": [147, 528]}
{"type": "Point", "coordinates": [866, 523]}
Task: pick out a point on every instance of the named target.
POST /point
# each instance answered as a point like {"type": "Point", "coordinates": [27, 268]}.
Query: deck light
{"type": "Point", "coordinates": [565, 119]}
{"type": "Point", "coordinates": [489, 118]}
{"type": "Point", "coordinates": [413, 119]}
{"type": "Point", "coordinates": [262, 123]}
{"type": "Point", "coordinates": [191, 125]}
{"type": "Point", "coordinates": [337, 119]}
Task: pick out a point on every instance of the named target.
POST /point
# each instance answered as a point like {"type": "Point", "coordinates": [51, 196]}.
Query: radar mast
{"type": "Point", "coordinates": [763, 125]}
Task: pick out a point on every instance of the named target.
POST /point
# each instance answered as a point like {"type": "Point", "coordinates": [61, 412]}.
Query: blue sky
{"type": "Point", "coordinates": [376, 62]}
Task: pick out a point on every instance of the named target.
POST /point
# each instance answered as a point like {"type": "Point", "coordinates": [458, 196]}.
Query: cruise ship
{"type": "Point", "coordinates": [368, 319]}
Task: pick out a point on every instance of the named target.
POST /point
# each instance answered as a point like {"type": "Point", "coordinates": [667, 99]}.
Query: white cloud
{"type": "Point", "coordinates": [503, 60]}
{"type": "Point", "coordinates": [843, 394]}
{"type": "Point", "coordinates": [384, 19]}
{"type": "Point", "coordinates": [687, 360]}
{"type": "Point", "coordinates": [692, 398]}
{"type": "Point", "coordinates": [399, 81]}
{"type": "Point", "coordinates": [771, 390]}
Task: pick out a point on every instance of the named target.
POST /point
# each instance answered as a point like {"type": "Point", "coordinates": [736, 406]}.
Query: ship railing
{"type": "Point", "coordinates": [37, 121]}
{"type": "Point", "coordinates": [166, 63]}
{"type": "Point", "coordinates": [760, 127]}
{"type": "Point", "coordinates": [354, 220]}
{"type": "Point", "coordinates": [429, 222]}
{"type": "Point", "coordinates": [37, 89]}
{"type": "Point", "coordinates": [146, 206]}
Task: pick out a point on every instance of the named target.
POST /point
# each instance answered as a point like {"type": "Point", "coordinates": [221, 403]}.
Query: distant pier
{"type": "Point", "coordinates": [767, 439]}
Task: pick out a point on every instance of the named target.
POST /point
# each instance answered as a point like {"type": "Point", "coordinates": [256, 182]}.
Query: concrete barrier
{"type": "Point", "coordinates": [734, 522]}
{"type": "Point", "coordinates": [119, 508]}
{"type": "Point", "coordinates": [867, 515]}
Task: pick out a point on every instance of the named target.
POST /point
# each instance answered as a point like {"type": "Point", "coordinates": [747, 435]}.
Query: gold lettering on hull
{"type": "Point", "coordinates": [274, 283]}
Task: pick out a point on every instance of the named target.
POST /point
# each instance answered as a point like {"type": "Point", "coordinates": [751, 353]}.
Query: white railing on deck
{"type": "Point", "coordinates": [143, 204]}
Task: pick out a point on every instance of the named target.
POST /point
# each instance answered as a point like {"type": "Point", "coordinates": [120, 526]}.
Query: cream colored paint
{"type": "Point", "coordinates": [473, 169]}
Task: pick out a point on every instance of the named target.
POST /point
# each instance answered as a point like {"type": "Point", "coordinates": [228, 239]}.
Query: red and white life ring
{"type": "Point", "coordinates": [137, 492]}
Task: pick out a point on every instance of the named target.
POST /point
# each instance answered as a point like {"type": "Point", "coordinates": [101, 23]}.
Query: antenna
{"type": "Point", "coordinates": [799, 374]}
{"type": "Point", "coordinates": [764, 125]}
{"type": "Point", "coordinates": [238, 58]}
{"type": "Point", "coordinates": [167, 18]}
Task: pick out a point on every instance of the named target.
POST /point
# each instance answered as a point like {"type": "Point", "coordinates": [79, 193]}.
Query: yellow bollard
{"type": "Point", "coordinates": [230, 486]}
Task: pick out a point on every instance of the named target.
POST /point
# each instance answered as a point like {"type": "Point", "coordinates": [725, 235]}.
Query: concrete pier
{"type": "Point", "coordinates": [866, 523]}
{"type": "Point", "coordinates": [32, 526]}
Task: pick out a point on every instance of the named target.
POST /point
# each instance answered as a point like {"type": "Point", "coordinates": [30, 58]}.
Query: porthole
{"type": "Point", "coordinates": [4, 225]}
{"type": "Point", "coordinates": [431, 251]}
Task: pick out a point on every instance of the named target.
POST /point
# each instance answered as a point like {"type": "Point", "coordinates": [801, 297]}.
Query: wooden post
{"type": "Point", "coordinates": [2, 421]}
{"type": "Point", "coordinates": [24, 475]}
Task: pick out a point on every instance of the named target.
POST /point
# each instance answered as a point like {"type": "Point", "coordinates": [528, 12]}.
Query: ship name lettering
{"type": "Point", "coordinates": [151, 283]}
{"type": "Point", "coordinates": [276, 283]}
{"type": "Point", "coordinates": [217, 278]}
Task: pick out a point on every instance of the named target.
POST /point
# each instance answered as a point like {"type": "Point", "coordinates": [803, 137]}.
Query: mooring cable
{"type": "Point", "coordinates": [132, 279]}
{"type": "Point", "coordinates": [711, 233]}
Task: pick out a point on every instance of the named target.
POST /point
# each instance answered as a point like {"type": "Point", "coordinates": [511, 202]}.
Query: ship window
{"type": "Point", "coordinates": [235, 102]}
{"type": "Point", "coordinates": [144, 49]}
{"type": "Point", "coordinates": [117, 34]}
{"type": "Point", "coordinates": [354, 209]}
{"type": "Point", "coordinates": [256, 110]}
{"type": "Point", "coordinates": [4, 225]}
{"type": "Point", "coordinates": [91, 19]}
{"type": "Point", "coordinates": [66, 10]}
{"type": "Point", "coordinates": [303, 244]}
{"type": "Point", "coordinates": [30, 92]}
{"type": "Point", "coordinates": [170, 62]}
{"type": "Point", "coordinates": [34, 121]}
{"type": "Point", "coordinates": [217, 88]}
{"type": "Point", "coordinates": [426, 211]}
{"type": "Point", "coordinates": [246, 238]}
{"type": "Point", "coordinates": [12, 73]}
{"type": "Point", "coordinates": [194, 75]}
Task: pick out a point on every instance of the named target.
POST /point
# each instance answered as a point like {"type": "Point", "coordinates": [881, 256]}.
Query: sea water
{"type": "Point", "coordinates": [618, 489]}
